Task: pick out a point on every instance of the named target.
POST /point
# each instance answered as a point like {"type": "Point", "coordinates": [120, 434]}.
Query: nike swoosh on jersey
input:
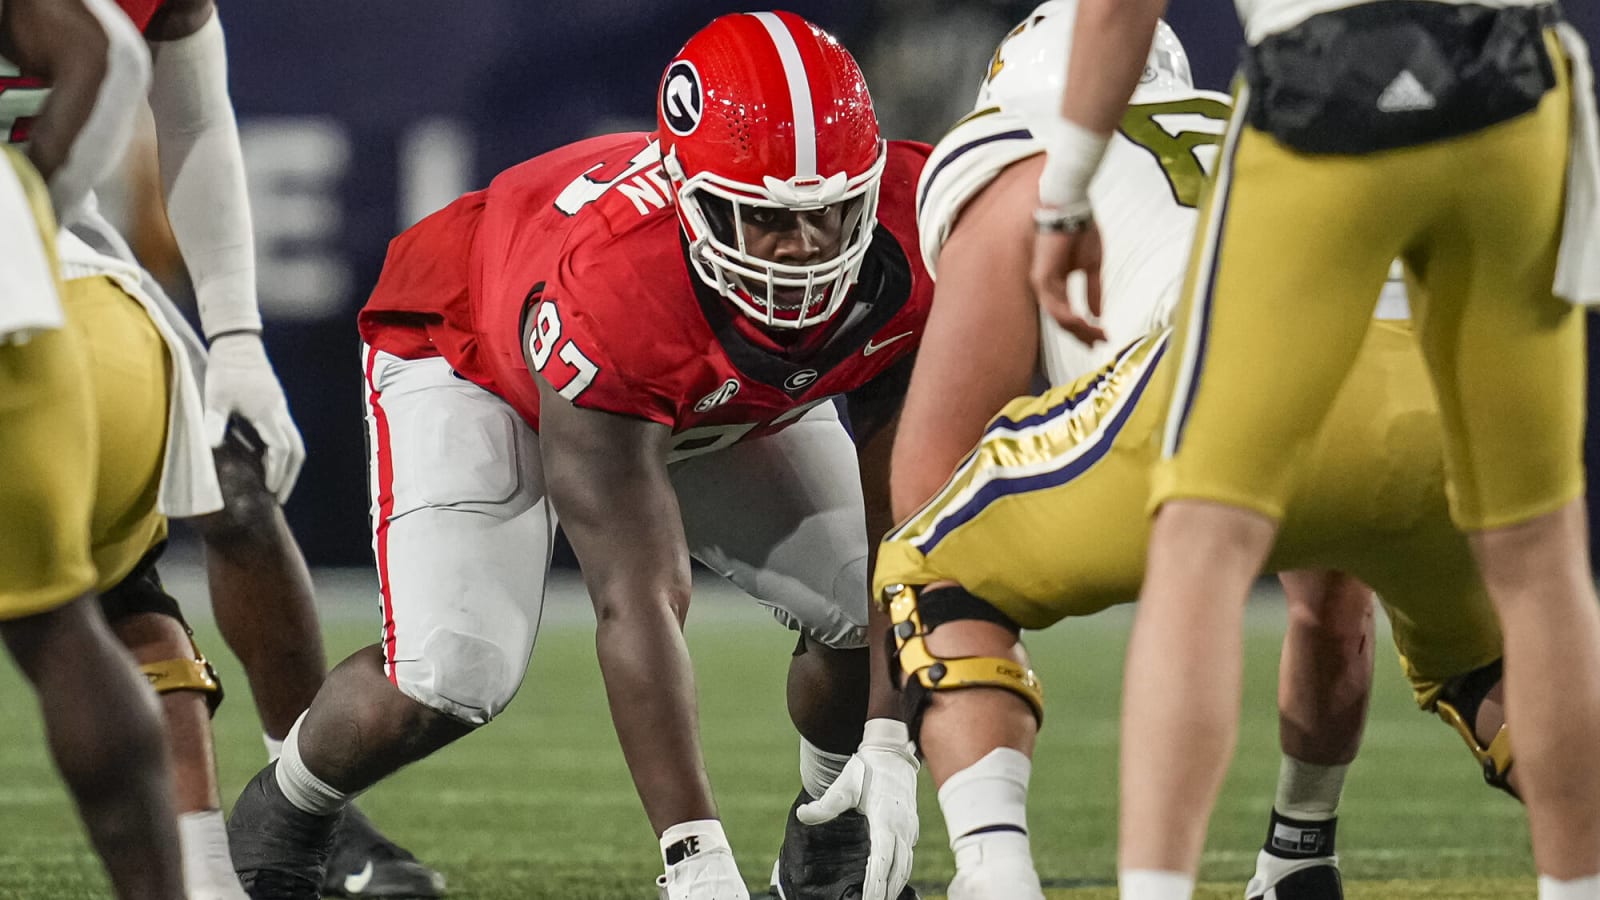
{"type": "Point", "coordinates": [355, 884]}
{"type": "Point", "coordinates": [872, 348]}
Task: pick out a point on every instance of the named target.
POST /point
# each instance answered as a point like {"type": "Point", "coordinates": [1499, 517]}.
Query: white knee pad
{"type": "Point", "coordinates": [464, 676]}
{"type": "Point", "coordinates": [835, 618]}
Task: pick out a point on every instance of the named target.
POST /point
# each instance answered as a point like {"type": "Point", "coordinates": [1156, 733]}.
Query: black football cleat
{"type": "Point", "coordinates": [824, 862]}
{"type": "Point", "coordinates": [364, 863]}
{"type": "Point", "coordinates": [278, 850]}
{"type": "Point", "coordinates": [1319, 881]}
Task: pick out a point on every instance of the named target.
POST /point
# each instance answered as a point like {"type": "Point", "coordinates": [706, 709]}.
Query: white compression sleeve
{"type": "Point", "coordinates": [202, 172]}
{"type": "Point", "coordinates": [100, 143]}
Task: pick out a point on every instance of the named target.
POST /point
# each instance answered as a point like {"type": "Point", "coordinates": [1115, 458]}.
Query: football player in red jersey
{"type": "Point", "coordinates": [643, 335]}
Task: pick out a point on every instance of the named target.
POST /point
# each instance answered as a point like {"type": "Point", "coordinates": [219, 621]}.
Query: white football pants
{"type": "Point", "coordinates": [462, 531]}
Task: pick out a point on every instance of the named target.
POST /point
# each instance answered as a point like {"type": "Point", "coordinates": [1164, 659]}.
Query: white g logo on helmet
{"type": "Point", "coordinates": [681, 98]}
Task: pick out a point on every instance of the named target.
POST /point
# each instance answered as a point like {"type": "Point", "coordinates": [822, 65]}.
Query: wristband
{"type": "Point", "coordinates": [1072, 156]}
{"type": "Point", "coordinates": [889, 734]}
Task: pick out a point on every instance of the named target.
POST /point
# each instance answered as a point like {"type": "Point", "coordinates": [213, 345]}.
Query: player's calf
{"type": "Point", "coordinates": [150, 624]}
{"type": "Point", "coordinates": [261, 589]}
{"type": "Point", "coordinates": [106, 741]}
{"type": "Point", "coordinates": [921, 674]}
{"type": "Point", "coordinates": [962, 689]}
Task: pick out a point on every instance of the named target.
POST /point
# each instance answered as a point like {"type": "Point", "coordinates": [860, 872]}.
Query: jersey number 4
{"type": "Point", "coordinates": [543, 338]}
{"type": "Point", "coordinates": [1184, 136]}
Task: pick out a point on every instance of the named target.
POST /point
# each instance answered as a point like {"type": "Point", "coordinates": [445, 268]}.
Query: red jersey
{"type": "Point", "coordinates": [573, 265]}
{"type": "Point", "coordinates": [140, 11]}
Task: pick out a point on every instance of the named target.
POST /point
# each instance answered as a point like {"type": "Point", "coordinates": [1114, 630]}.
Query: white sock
{"type": "Point", "coordinates": [991, 792]}
{"type": "Point", "coordinates": [819, 769]}
{"type": "Point", "coordinates": [1586, 888]}
{"type": "Point", "coordinates": [207, 866]}
{"type": "Point", "coordinates": [274, 747]}
{"type": "Point", "coordinates": [1307, 791]}
{"type": "Point", "coordinates": [1150, 884]}
{"type": "Point", "coordinates": [305, 790]}
{"type": "Point", "coordinates": [973, 849]}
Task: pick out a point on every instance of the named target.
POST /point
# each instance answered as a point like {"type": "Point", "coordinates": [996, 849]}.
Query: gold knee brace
{"type": "Point", "coordinates": [919, 673]}
{"type": "Point", "coordinates": [194, 674]}
{"type": "Point", "coordinates": [1495, 759]}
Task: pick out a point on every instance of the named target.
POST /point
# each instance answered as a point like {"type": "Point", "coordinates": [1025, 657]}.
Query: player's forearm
{"type": "Point", "coordinates": [1109, 46]}
{"type": "Point", "coordinates": [98, 71]}
{"type": "Point", "coordinates": [650, 687]}
{"type": "Point", "coordinates": [202, 173]}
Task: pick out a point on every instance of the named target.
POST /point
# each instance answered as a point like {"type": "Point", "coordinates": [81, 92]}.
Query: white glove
{"type": "Point", "coordinates": [240, 380]}
{"type": "Point", "coordinates": [880, 782]}
{"type": "Point", "coordinates": [997, 882]}
{"type": "Point", "coordinates": [699, 864]}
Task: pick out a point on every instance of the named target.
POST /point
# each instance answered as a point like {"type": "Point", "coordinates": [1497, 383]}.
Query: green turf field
{"type": "Point", "coordinates": [539, 805]}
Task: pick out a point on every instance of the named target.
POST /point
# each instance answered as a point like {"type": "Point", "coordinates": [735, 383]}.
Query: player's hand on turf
{"type": "Point", "coordinates": [880, 782]}
{"type": "Point", "coordinates": [1056, 255]}
{"type": "Point", "coordinates": [711, 875]}
{"type": "Point", "coordinates": [239, 379]}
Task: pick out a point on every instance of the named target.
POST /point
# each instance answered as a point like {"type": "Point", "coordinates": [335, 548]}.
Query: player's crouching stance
{"type": "Point", "coordinates": [1045, 519]}
{"type": "Point", "coordinates": [644, 334]}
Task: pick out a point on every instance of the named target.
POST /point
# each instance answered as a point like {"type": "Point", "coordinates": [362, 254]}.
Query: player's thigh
{"type": "Point", "coordinates": [462, 536]}
{"type": "Point", "coordinates": [1046, 518]}
{"type": "Point", "coordinates": [1507, 357]}
{"type": "Point", "coordinates": [1292, 254]}
{"type": "Point", "coordinates": [47, 418]}
{"type": "Point", "coordinates": [47, 474]}
{"type": "Point", "coordinates": [783, 518]}
{"type": "Point", "coordinates": [131, 376]}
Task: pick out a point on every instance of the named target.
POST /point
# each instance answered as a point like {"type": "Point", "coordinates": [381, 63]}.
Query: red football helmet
{"type": "Point", "coordinates": [768, 110]}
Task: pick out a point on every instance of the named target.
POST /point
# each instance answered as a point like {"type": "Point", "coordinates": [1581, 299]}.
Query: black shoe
{"type": "Point", "coordinates": [278, 850]}
{"type": "Point", "coordinates": [1318, 882]}
{"type": "Point", "coordinates": [824, 862]}
{"type": "Point", "coordinates": [367, 864]}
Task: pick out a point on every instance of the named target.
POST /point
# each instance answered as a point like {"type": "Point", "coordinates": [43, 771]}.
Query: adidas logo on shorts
{"type": "Point", "coordinates": [1405, 94]}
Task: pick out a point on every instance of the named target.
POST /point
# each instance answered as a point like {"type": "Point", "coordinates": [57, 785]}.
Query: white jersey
{"type": "Point", "coordinates": [29, 303]}
{"type": "Point", "coordinates": [1144, 195]}
{"type": "Point", "coordinates": [1144, 198]}
{"type": "Point", "coordinates": [1262, 18]}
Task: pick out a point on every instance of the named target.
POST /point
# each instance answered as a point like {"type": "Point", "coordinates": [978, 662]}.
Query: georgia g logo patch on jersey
{"type": "Point", "coordinates": [682, 101]}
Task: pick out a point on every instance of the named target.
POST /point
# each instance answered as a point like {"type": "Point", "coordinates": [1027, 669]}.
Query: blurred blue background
{"type": "Point", "coordinates": [360, 117]}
